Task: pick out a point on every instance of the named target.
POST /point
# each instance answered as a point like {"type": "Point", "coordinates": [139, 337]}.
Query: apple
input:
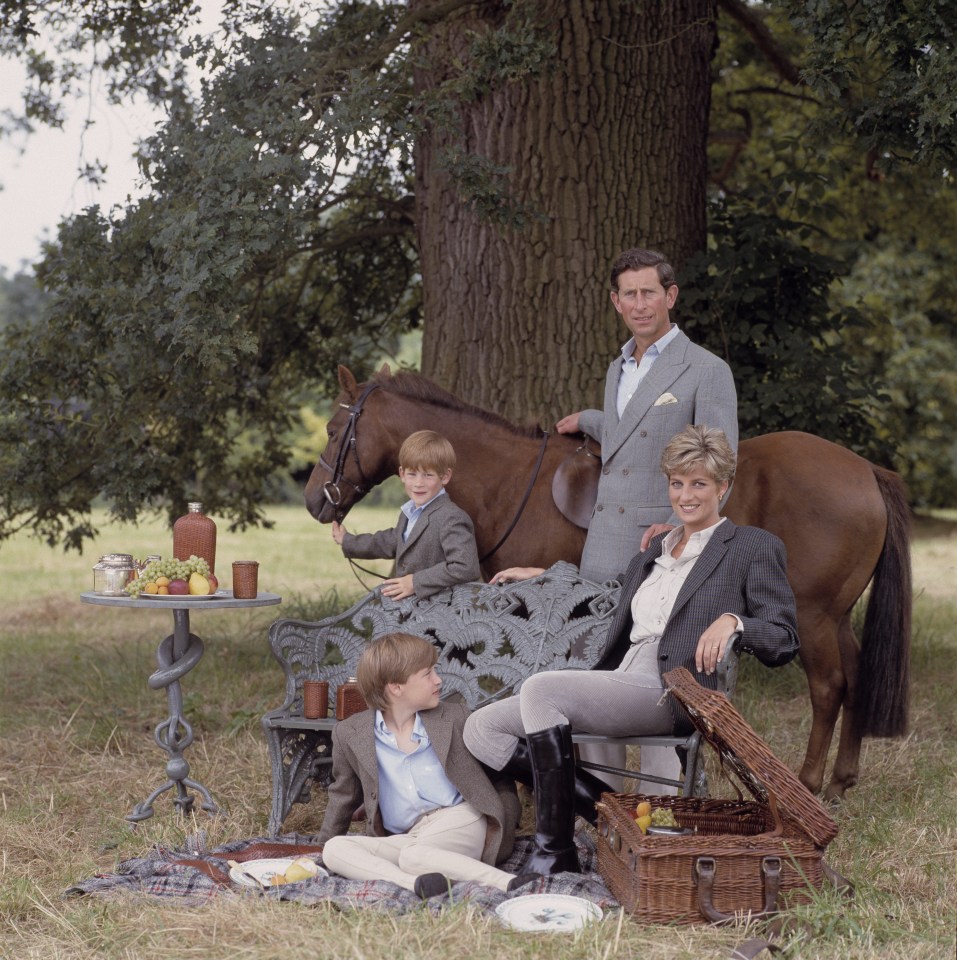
{"type": "Point", "coordinates": [178, 587]}
{"type": "Point", "coordinates": [213, 583]}
{"type": "Point", "coordinates": [198, 585]}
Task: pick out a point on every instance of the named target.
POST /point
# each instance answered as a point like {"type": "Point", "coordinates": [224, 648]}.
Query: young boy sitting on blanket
{"type": "Point", "coordinates": [434, 541]}
{"type": "Point", "coordinates": [434, 816]}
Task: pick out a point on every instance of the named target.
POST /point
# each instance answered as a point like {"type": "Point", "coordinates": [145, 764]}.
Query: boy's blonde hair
{"type": "Point", "coordinates": [392, 658]}
{"type": "Point", "coordinates": [699, 446]}
{"type": "Point", "coordinates": [427, 450]}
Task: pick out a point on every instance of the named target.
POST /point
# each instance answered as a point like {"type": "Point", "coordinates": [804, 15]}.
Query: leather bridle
{"type": "Point", "coordinates": [348, 442]}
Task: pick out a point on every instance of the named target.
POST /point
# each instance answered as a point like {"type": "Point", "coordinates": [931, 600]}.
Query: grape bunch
{"type": "Point", "coordinates": [170, 569]}
{"type": "Point", "coordinates": [663, 817]}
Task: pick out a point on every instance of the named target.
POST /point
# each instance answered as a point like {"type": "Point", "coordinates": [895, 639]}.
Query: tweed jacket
{"type": "Point", "coordinates": [441, 549]}
{"type": "Point", "coordinates": [686, 385]}
{"type": "Point", "coordinates": [742, 570]}
{"type": "Point", "coordinates": [355, 774]}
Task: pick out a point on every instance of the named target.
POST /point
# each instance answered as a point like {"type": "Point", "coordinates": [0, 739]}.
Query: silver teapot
{"type": "Point", "coordinates": [113, 573]}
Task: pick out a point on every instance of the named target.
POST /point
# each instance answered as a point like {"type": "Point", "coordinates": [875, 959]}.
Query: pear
{"type": "Point", "coordinates": [198, 585]}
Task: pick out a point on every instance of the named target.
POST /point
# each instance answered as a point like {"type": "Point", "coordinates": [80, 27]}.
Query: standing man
{"type": "Point", "coordinates": [661, 383]}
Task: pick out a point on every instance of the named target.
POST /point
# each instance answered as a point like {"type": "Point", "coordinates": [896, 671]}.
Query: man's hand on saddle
{"type": "Point", "coordinates": [714, 642]}
{"type": "Point", "coordinates": [338, 532]}
{"type": "Point", "coordinates": [653, 532]}
{"type": "Point", "coordinates": [516, 573]}
{"type": "Point", "coordinates": [569, 424]}
{"type": "Point", "coordinates": [398, 588]}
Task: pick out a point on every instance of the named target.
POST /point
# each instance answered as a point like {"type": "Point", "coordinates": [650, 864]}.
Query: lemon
{"type": "Point", "coordinates": [643, 823]}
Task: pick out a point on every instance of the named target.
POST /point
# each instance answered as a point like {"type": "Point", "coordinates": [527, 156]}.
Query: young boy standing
{"type": "Point", "coordinates": [434, 542]}
{"type": "Point", "coordinates": [434, 815]}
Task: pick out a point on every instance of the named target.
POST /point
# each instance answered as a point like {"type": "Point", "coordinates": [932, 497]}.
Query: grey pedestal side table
{"type": "Point", "coordinates": [176, 655]}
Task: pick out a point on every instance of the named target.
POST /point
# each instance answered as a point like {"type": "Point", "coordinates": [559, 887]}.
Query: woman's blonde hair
{"type": "Point", "coordinates": [699, 446]}
{"type": "Point", "coordinates": [392, 658]}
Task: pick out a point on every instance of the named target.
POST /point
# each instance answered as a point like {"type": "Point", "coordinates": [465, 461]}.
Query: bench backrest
{"type": "Point", "coordinates": [490, 638]}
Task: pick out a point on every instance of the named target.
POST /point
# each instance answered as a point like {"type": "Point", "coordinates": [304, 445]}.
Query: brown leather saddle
{"type": "Point", "coordinates": [575, 485]}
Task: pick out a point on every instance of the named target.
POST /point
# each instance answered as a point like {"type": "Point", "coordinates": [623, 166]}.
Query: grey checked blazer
{"type": "Point", "coordinates": [741, 570]}
{"type": "Point", "coordinates": [632, 491]}
{"type": "Point", "coordinates": [355, 772]}
{"type": "Point", "coordinates": [441, 549]}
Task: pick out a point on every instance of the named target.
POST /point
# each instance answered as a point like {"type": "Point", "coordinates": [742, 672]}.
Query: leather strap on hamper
{"type": "Point", "coordinates": [704, 882]}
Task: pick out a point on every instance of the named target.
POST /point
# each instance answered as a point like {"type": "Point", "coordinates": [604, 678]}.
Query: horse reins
{"type": "Point", "coordinates": [349, 441]}
{"type": "Point", "coordinates": [521, 506]}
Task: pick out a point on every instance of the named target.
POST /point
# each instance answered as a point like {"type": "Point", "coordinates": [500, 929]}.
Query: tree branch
{"type": "Point", "coordinates": [756, 28]}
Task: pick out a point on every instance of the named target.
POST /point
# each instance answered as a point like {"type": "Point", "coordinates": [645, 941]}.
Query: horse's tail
{"type": "Point", "coordinates": [883, 683]}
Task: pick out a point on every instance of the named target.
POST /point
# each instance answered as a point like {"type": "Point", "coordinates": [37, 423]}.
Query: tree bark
{"type": "Point", "coordinates": [519, 320]}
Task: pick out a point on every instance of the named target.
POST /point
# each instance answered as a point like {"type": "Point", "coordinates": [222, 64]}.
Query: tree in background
{"type": "Point", "coordinates": [471, 167]}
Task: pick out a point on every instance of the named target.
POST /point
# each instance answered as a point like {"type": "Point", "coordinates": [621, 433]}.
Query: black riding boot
{"type": "Point", "coordinates": [588, 787]}
{"type": "Point", "coordinates": [553, 770]}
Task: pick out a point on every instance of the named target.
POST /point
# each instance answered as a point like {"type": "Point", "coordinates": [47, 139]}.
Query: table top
{"type": "Point", "coordinates": [216, 601]}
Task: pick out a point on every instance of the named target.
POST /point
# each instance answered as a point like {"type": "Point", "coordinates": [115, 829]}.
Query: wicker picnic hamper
{"type": "Point", "coordinates": [743, 855]}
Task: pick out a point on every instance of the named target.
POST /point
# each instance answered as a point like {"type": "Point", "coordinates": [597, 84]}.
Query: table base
{"type": "Point", "coordinates": [176, 655]}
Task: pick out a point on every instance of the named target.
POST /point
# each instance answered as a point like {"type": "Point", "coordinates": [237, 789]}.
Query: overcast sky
{"type": "Point", "coordinates": [40, 186]}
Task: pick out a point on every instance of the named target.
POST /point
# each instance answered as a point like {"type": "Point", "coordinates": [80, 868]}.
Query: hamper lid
{"type": "Point", "coordinates": [750, 757]}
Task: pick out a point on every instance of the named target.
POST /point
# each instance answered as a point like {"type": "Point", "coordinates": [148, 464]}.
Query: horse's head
{"type": "Point", "coordinates": [357, 454]}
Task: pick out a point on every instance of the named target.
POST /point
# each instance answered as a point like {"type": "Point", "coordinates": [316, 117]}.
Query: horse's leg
{"type": "Point", "coordinates": [847, 764]}
{"type": "Point", "coordinates": [827, 687]}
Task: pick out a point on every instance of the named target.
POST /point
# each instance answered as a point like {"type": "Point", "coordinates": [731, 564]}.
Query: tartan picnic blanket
{"type": "Point", "coordinates": [197, 875]}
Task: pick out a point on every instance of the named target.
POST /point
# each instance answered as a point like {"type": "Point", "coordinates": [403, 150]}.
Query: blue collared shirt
{"type": "Point", "coordinates": [413, 513]}
{"type": "Point", "coordinates": [633, 371]}
{"type": "Point", "coordinates": [410, 784]}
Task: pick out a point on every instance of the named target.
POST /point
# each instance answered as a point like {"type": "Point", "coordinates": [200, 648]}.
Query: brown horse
{"type": "Point", "coordinates": [843, 520]}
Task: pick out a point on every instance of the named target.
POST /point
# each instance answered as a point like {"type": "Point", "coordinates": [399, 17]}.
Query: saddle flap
{"type": "Point", "coordinates": [575, 486]}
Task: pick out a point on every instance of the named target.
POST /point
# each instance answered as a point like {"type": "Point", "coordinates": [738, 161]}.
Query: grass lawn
{"type": "Point", "coordinates": [77, 752]}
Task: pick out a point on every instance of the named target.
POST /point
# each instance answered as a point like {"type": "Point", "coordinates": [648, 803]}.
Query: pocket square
{"type": "Point", "coordinates": [666, 398]}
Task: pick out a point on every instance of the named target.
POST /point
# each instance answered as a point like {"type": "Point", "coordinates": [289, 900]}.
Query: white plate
{"type": "Point", "coordinates": [256, 873]}
{"type": "Point", "coordinates": [553, 912]}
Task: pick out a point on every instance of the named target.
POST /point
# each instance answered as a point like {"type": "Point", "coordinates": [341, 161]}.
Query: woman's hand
{"type": "Point", "coordinates": [338, 532]}
{"type": "Point", "coordinates": [516, 573]}
{"type": "Point", "coordinates": [714, 642]}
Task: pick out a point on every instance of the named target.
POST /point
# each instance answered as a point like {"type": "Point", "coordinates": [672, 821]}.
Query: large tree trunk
{"type": "Point", "coordinates": [520, 321]}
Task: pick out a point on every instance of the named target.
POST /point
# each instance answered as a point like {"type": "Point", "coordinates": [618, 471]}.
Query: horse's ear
{"type": "Point", "coordinates": [385, 370]}
{"type": "Point", "coordinates": [347, 381]}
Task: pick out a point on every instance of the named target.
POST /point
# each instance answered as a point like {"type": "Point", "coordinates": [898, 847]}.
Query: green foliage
{"type": "Point", "coordinates": [892, 68]}
{"type": "Point", "coordinates": [759, 298]}
{"type": "Point", "coordinates": [910, 343]}
{"type": "Point", "coordinates": [857, 200]}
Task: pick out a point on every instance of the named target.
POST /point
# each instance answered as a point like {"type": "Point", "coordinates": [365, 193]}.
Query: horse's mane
{"type": "Point", "coordinates": [416, 387]}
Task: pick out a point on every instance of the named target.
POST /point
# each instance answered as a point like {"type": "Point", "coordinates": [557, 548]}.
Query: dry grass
{"type": "Point", "coordinates": [76, 752]}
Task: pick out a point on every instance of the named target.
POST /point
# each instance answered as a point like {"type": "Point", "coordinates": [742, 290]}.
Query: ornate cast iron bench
{"type": "Point", "coordinates": [490, 638]}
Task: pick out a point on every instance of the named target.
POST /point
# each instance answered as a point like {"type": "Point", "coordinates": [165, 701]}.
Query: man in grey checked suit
{"type": "Point", "coordinates": [661, 383]}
